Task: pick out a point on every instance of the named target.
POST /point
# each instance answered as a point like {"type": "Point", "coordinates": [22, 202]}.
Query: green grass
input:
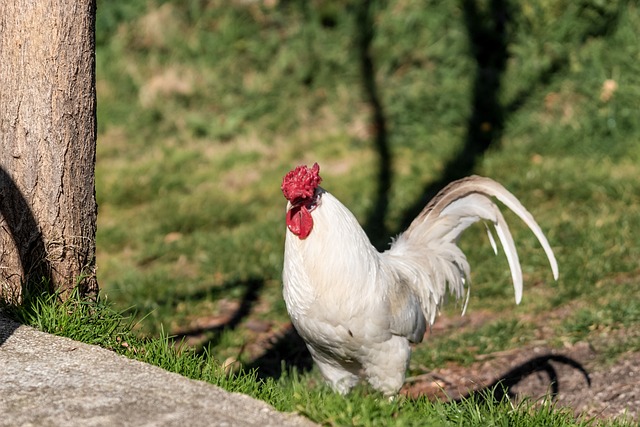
{"type": "Point", "coordinates": [204, 106]}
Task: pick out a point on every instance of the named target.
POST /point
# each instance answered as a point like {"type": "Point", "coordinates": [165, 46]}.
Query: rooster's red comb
{"type": "Point", "coordinates": [301, 183]}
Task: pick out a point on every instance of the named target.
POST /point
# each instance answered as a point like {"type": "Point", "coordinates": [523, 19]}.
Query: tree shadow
{"type": "Point", "coordinates": [375, 222]}
{"type": "Point", "coordinates": [287, 353]}
{"type": "Point", "coordinates": [489, 41]}
{"type": "Point", "coordinates": [18, 221]}
{"type": "Point", "coordinates": [7, 327]}
{"type": "Point", "coordinates": [252, 288]}
{"type": "Point", "coordinates": [488, 44]}
{"type": "Point", "coordinates": [287, 350]}
{"type": "Point", "coordinates": [503, 387]}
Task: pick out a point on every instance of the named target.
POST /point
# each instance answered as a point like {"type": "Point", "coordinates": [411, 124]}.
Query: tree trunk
{"type": "Point", "coordinates": [47, 146]}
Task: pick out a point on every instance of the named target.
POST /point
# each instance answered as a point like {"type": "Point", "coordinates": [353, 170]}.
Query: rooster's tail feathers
{"type": "Point", "coordinates": [452, 211]}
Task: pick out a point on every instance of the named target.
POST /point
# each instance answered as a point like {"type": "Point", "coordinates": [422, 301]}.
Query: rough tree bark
{"type": "Point", "coordinates": [48, 208]}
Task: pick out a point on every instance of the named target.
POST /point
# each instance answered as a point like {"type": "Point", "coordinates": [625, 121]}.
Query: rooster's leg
{"type": "Point", "coordinates": [341, 377]}
{"type": "Point", "coordinates": [387, 364]}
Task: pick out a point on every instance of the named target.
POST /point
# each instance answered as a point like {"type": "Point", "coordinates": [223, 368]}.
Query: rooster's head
{"type": "Point", "coordinates": [299, 188]}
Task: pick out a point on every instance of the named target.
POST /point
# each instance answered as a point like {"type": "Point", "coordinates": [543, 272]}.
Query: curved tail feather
{"type": "Point", "coordinates": [429, 239]}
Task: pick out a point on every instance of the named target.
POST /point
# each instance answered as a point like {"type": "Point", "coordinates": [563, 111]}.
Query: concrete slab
{"type": "Point", "coordinates": [52, 381]}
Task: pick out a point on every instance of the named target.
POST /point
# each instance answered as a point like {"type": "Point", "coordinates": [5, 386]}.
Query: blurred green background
{"type": "Point", "coordinates": [203, 106]}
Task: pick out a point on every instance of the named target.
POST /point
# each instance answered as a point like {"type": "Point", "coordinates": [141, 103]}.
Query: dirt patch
{"type": "Point", "coordinates": [614, 390]}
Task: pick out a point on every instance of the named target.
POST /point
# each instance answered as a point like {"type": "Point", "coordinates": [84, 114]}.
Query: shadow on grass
{"type": "Point", "coordinates": [375, 222]}
{"type": "Point", "coordinates": [488, 41]}
{"type": "Point", "coordinates": [502, 387]}
{"type": "Point", "coordinates": [287, 353]}
{"type": "Point", "coordinates": [489, 44]}
{"type": "Point", "coordinates": [251, 287]}
{"type": "Point", "coordinates": [287, 350]}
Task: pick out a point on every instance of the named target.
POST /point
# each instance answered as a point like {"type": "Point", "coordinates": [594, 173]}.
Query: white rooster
{"type": "Point", "coordinates": [358, 309]}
